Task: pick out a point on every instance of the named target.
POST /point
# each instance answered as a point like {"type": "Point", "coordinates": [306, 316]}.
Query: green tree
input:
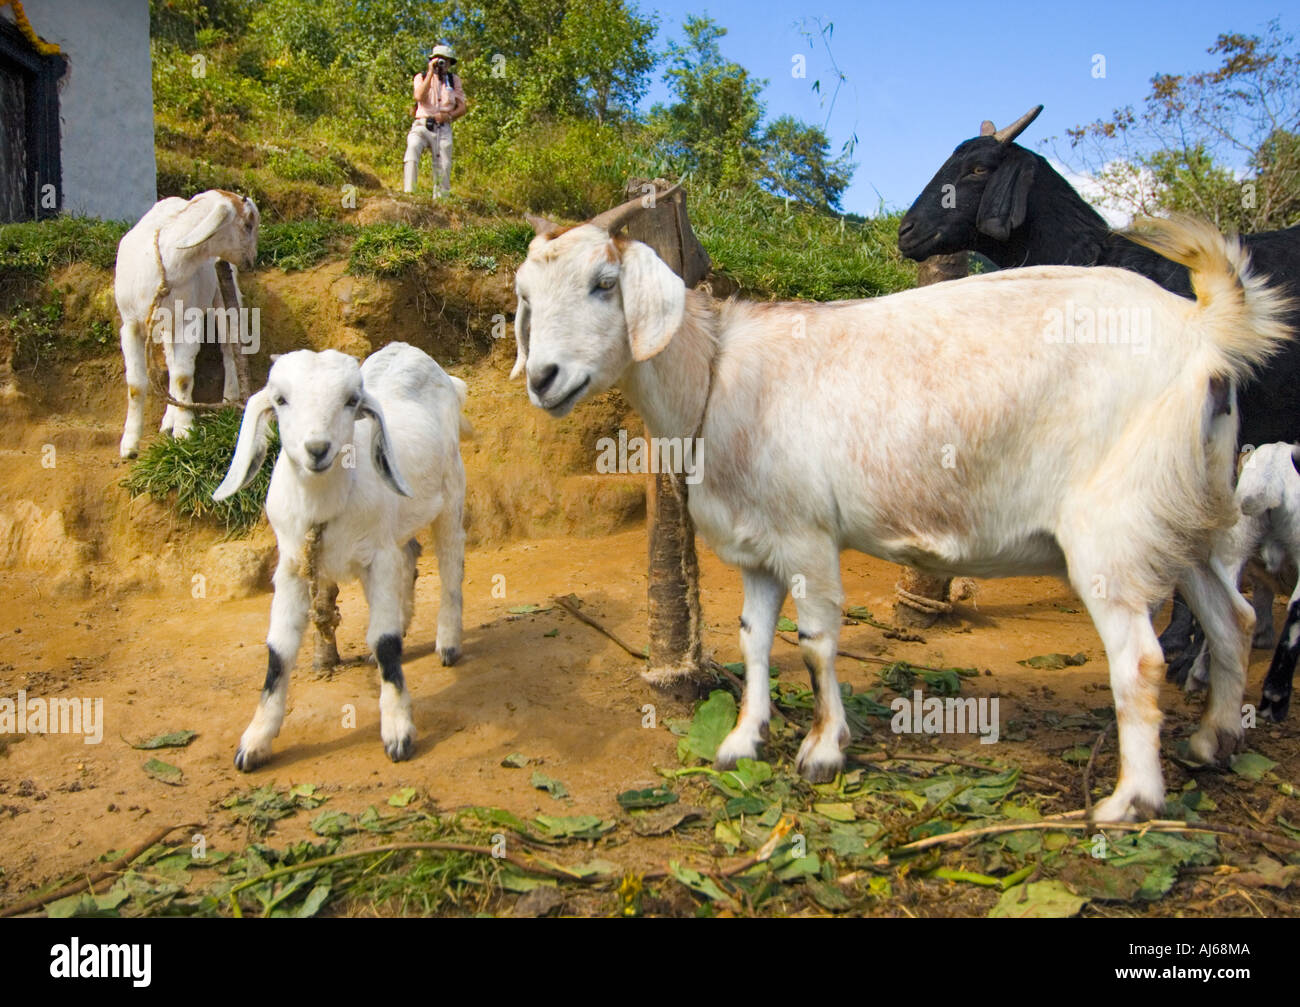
{"type": "Point", "coordinates": [796, 163]}
{"type": "Point", "coordinates": [1178, 152]}
{"type": "Point", "coordinates": [532, 60]}
{"type": "Point", "coordinates": [711, 130]}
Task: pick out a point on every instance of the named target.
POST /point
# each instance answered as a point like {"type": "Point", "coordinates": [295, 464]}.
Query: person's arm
{"type": "Point", "coordinates": [423, 81]}
{"type": "Point", "coordinates": [461, 106]}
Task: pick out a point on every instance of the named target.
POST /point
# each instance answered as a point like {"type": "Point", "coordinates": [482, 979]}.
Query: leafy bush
{"type": "Point", "coordinates": [185, 471]}
{"type": "Point", "coordinates": [573, 169]}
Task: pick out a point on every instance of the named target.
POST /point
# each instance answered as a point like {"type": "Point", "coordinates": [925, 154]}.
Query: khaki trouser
{"type": "Point", "coordinates": [438, 142]}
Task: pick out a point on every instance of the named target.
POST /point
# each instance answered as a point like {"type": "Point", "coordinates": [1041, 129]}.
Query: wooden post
{"type": "Point", "coordinates": [231, 298]}
{"type": "Point", "coordinates": [676, 654]}
{"type": "Point", "coordinates": [921, 598]}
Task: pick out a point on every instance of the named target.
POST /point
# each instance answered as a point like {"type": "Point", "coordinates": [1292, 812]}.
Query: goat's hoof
{"type": "Point", "coordinates": [1120, 807]}
{"type": "Point", "coordinates": [1213, 746]}
{"type": "Point", "coordinates": [449, 656]}
{"type": "Point", "coordinates": [247, 759]}
{"type": "Point", "coordinates": [739, 744]}
{"type": "Point", "coordinates": [820, 770]}
{"type": "Point", "coordinates": [819, 761]}
{"type": "Point", "coordinates": [400, 749]}
{"type": "Point", "coordinates": [1274, 706]}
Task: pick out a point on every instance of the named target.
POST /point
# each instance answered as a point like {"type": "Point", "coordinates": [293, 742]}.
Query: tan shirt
{"type": "Point", "coordinates": [442, 100]}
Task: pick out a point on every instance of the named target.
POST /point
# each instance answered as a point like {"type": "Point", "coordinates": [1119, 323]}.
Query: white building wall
{"type": "Point", "coordinates": [105, 104]}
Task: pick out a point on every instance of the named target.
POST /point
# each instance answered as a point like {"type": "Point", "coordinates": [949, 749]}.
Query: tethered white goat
{"type": "Point", "coordinates": [166, 265]}
{"type": "Point", "coordinates": [955, 428]}
{"type": "Point", "coordinates": [369, 455]}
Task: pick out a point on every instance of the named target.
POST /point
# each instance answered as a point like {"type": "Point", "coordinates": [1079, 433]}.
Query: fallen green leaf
{"type": "Point", "coordinates": [551, 785]}
{"type": "Point", "coordinates": [652, 797]}
{"type": "Point", "coordinates": [1037, 900]}
{"type": "Point", "coordinates": [164, 772]}
{"type": "Point", "coordinates": [176, 739]}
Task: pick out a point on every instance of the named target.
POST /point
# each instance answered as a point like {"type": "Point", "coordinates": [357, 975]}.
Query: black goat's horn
{"type": "Point", "coordinates": [1008, 133]}
{"type": "Point", "coordinates": [612, 220]}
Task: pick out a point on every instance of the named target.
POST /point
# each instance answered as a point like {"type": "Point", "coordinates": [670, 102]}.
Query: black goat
{"type": "Point", "coordinates": [994, 197]}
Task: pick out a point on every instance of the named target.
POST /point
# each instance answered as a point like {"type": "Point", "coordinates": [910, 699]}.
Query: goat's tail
{"type": "Point", "coordinates": [1182, 453]}
{"type": "Point", "coordinates": [462, 393]}
{"type": "Point", "coordinates": [1244, 313]}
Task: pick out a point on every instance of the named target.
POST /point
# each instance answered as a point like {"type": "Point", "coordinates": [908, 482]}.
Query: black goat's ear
{"type": "Point", "coordinates": [1006, 198]}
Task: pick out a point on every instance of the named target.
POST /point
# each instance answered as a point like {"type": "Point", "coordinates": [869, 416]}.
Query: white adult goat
{"type": "Point", "coordinates": [369, 455]}
{"type": "Point", "coordinates": [948, 428]}
{"type": "Point", "coordinates": [166, 264]}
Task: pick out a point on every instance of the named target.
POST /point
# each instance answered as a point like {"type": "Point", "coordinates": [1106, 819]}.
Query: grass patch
{"type": "Point", "coordinates": [38, 332]}
{"type": "Point", "coordinates": [300, 244]}
{"type": "Point", "coordinates": [183, 472]}
{"type": "Point", "coordinates": [482, 246]}
{"type": "Point", "coordinates": [795, 252]}
{"type": "Point", "coordinates": [388, 250]}
{"type": "Point", "coordinates": [36, 248]}
{"type": "Point", "coordinates": [297, 165]}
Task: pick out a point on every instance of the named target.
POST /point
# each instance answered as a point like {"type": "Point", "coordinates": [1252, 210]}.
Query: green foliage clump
{"type": "Point", "coordinates": [185, 471]}
{"type": "Point", "coordinates": [299, 244]}
{"type": "Point", "coordinates": [482, 246]}
{"type": "Point", "coordinates": [790, 251]}
{"type": "Point", "coordinates": [299, 166]}
{"type": "Point", "coordinates": [35, 248]}
{"type": "Point", "coordinates": [573, 168]}
{"type": "Point", "coordinates": [38, 331]}
{"type": "Point", "coordinates": [388, 250]}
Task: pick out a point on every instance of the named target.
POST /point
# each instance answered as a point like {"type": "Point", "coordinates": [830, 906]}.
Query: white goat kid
{"type": "Point", "coordinates": [166, 265]}
{"type": "Point", "coordinates": [829, 425]}
{"type": "Point", "coordinates": [369, 455]}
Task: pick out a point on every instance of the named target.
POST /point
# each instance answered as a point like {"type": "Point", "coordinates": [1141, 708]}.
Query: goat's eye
{"type": "Point", "coordinates": [354, 401]}
{"type": "Point", "coordinates": [280, 400]}
{"type": "Point", "coordinates": [606, 283]}
{"type": "Point", "coordinates": [979, 169]}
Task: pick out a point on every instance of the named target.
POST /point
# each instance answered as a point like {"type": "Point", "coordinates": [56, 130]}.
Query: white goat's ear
{"type": "Point", "coordinates": [381, 449]}
{"type": "Point", "coordinates": [654, 300]}
{"type": "Point", "coordinates": [222, 213]}
{"type": "Point", "coordinates": [250, 449]}
{"type": "Point", "coordinates": [521, 338]}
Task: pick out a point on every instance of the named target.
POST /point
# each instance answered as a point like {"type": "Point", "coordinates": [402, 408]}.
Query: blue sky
{"type": "Point", "coordinates": [902, 60]}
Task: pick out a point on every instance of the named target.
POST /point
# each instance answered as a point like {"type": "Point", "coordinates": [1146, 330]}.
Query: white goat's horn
{"type": "Point", "coordinates": [612, 220]}
{"type": "Point", "coordinates": [987, 128]}
{"type": "Point", "coordinates": [1008, 133]}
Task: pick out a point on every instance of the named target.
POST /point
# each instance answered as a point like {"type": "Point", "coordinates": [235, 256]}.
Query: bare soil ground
{"type": "Point", "coordinates": [100, 601]}
{"type": "Point", "coordinates": [541, 684]}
